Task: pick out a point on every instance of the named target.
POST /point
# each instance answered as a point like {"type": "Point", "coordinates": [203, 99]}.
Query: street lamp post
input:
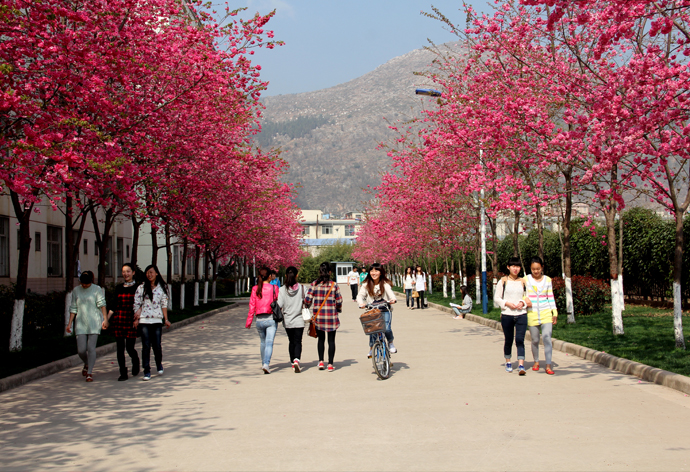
{"type": "Point", "coordinates": [485, 298]}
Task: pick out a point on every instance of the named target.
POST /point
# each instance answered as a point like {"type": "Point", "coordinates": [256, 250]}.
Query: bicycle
{"type": "Point", "coordinates": [374, 324]}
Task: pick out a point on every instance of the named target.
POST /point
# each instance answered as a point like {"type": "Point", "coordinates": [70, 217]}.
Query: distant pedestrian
{"type": "Point", "coordinates": [542, 314]}
{"type": "Point", "coordinates": [88, 308]}
{"type": "Point", "coordinates": [327, 302]}
{"type": "Point", "coordinates": [466, 307]}
{"type": "Point", "coordinates": [511, 296]}
{"type": "Point", "coordinates": [375, 288]}
{"type": "Point", "coordinates": [420, 286]}
{"type": "Point", "coordinates": [409, 283]}
{"type": "Point", "coordinates": [353, 280]}
{"type": "Point", "coordinates": [150, 315]}
{"type": "Point", "coordinates": [273, 279]}
{"type": "Point", "coordinates": [291, 300]}
{"type": "Point", "coordinates": [362, 275]}
{"type": "Point", "coordinates": [121, 321]}
{"type": "Point", "coordinates": [263, 294]}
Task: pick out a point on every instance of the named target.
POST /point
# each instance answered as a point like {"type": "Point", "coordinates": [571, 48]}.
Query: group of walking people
{"type": "Point", "coordinates": [138, 310]}
{"type": "Point", "coordinates": [323, 297]}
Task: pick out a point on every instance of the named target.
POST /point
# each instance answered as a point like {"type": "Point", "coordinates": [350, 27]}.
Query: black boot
{"type": "Point", "coordinates": [135, 366]}
{"type": "Point", "coordinates": [123, 374]}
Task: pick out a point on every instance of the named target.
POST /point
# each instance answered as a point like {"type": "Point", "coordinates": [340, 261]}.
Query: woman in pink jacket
{"type": "Point", "coordinates": [263, 294]}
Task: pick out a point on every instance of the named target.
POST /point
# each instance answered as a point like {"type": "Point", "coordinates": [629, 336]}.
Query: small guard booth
{"type": "Point", "coordinates": [341, 269]}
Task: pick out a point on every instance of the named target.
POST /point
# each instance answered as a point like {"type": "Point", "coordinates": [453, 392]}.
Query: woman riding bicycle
{"type": "Point", "coordinates": [377, 288]}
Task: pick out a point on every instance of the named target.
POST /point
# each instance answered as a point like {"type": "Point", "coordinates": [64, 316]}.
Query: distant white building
{"type": "Point", "coordinates": [320, 230]}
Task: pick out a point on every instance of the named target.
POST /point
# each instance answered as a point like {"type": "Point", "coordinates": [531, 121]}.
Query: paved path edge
{"type": "Point", "coordinates": [22, 378]}
{"type": "Point", "coordinates": [642, 371]}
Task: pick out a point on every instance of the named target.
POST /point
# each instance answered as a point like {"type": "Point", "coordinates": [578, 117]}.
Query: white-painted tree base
{"type": "Point", "coordinates": [17, 326]}
{"type": "Point", "coordinates": [68, 303]}
{"type": "Point", "coordinates": [182, 293]}
{"type": "Point", "coordinates": [569, 309]}
{"type": "Point", "coordinates": [495, 282]}
{"type": "Point", "coordinates": [452, 289]}
{"type": "Point", "coordinates": [430, 290]}
{"type": "Point", "coordinates": [213, 291]}
{"type": "Point", "coordinates": [206, 292]}
{"type": "Point", "coordinates": [621, 292]}
{"type": "Point", "coordinates": [616, 308]}
{"type": "Point", "coordinates": [678, 316]}
{"type": "Point", "coordinates": [196, 293]}
{"type": "Point", "coordinates": [445, 286]}
{"type": "Point", "coordinates": [478, 285]}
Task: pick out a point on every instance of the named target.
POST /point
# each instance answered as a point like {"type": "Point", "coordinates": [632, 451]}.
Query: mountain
{"type": "Point", "coordinates": [330, 136]}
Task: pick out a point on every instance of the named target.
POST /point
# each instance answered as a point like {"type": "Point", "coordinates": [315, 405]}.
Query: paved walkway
{"type": "Point", "coordinates": [449, 405]}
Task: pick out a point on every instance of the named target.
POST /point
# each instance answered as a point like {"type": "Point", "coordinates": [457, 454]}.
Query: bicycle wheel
{"type": "Point", "coordinates": [381, 360]}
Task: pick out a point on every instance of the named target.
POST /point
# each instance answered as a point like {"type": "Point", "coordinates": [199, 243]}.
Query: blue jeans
{"type": "Point", "coordinates": [388, 318]}
{"type": "Point", "coordinates": [267, 327]}
{"type": "Point", "coordinates": [409, 301]}
{"type": "Point", "coordinates": [151, 335]}
{"type": "Point", "coordinates": [514, 327]}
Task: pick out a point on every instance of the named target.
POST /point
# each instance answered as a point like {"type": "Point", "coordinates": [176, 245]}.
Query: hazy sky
{"type": "Point", "coordinates": [328, 42]}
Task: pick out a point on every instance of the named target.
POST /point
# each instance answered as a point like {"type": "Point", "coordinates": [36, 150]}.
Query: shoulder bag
{"type": "Point", "coordinates": [312, 322]}
{"type": "Point", "coordinates": [306, 312]}
{"type": "Point", "coordinates": [275, 308]}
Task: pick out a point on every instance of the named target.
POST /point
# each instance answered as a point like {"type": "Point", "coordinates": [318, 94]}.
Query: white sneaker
{"type": "Point", "coordinates": [266, 369]}
{"type": "Point", "coordinates": [391, 348]}
{"type": "Point", "coordinates": [369, 355]}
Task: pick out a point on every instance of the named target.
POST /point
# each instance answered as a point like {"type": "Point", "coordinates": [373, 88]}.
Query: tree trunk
{"type": "Point", "coordinates": [516, 233]}
{"type": "Point", "coordinates": [154, 246]}
{"type": "Point", "coordinates": [620, 261]}
{"type": "Point", "coordinates": [215, 277]}
{"type": "Point", "coordinates": [23, 213]}
{"type": "Point", "coordinates": [136, 224]}
{"type": "Point", "coordinates": [102, 240]}
{"type": "Point", "coordinates": [540, 232]}
{"type": "Point", "coordinates": [183, 273]}
{"type": "Point", "coordinates": [196, 275]}
{"type": "Point", "coordinates": [610, 214]}
{"type": "Point", "coordinates": [567, 259]}
{"type": "Point", "coordinates": [168, 265]}
{"type": "Point", "coordinates": [206, 259]}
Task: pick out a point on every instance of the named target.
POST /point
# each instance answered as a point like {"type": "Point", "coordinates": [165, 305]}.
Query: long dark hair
{"type": "Point", "coordinates": [290, 276]}
{"type": "Point", "coordinates": [463, 291]}
{"type": "Point", "coordinates": [148, 290]}
{"type": "Point", "coordinates": [264, 273]}
{"type": "Point", "coordinates": [411, 269]}
{"type": "Point", "coordinates": [324, 273]}
{"type": "Point", "coordinates": [382, 279]}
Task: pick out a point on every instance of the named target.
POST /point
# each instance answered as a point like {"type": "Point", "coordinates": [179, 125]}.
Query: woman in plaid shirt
{"type": "Point", "coordinates": [325, 296]}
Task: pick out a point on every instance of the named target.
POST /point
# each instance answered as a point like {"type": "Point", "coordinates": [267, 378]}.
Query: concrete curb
{"type": "Point", "coordinates": [625, 366]}
{"type": "Point", "coordinates": [54, 367]}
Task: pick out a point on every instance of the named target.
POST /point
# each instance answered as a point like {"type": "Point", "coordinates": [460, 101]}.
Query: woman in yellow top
{"type": "Point", "coordinates": [542, 314]}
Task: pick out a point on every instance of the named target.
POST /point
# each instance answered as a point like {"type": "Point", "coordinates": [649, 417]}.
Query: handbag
{"type": "Point", "coordinates": [312, 322]}
{"type": "Point", "coordinates": [306, 312]}
{"type": "Point", "coordinates": [415, 294]}
{"type": "Point", "coordinates": [275, 308]}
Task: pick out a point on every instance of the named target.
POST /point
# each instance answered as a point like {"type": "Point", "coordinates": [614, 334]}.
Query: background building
{"type": "Point", "coordinates": [320, 230]}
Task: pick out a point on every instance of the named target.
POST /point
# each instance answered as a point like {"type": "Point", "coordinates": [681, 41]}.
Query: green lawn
{"type": "Point", "coordinates": [44, 349]}
{"type": "Point", "coordinates": [648, 334]}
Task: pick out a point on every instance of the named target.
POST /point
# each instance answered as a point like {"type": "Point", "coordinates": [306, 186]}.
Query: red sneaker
{"type": "Point", "coordinates": [89, 378]}
{"type": "Point", "coordinates": [321, 366]}
{"type": "Point", "coordinates": [296, 367]}
{"type": "Point", "coordinates": [331, 368]}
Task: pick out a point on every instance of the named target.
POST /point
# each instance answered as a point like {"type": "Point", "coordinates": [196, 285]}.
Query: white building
{"type": "Point", "coordinates": [320, 230]}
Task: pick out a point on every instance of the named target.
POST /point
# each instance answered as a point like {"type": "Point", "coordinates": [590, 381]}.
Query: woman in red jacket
{"type": "Point", "coordinates": [263, 294]}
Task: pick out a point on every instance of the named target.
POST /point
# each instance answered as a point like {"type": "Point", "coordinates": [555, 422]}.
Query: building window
{"type": "Point", "coordinates": [95, 248]}
{"type": "Point", "coordinates": [176, 260]}
{"type": "Point", "coordinates": [37, 241]}
{"type": "Point", "coordinates": [120, 253]}
{"type": "Point", "coordinates": [86, 247]}
{"type": "Point", "coordinates": [54, 246]}
{"type": "Point", "coordinates": [349, 230]}
{"type": "Point", "coordinates": [4, 247]}
{"type": "Point", "coordinates": [305, 230]}
{"type": "Point", "coordinates": [327, 230]}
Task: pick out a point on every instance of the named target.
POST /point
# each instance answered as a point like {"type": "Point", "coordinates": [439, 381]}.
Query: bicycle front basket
{"type": "Point", "coordinates": [373, 322]}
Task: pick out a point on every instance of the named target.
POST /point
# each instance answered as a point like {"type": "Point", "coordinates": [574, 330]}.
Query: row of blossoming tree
{"type": "Point", "coordinates": [144, 110]}
{"type": "Point", "coordinates": [548, 102]}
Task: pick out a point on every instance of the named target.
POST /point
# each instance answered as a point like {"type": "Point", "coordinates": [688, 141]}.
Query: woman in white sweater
{"type": "Point", "coordinates": [377, 287]}
{"type": "Point", "coordinates": [511, 296]}
{"type": "Point", "coordinates": [291, 301]}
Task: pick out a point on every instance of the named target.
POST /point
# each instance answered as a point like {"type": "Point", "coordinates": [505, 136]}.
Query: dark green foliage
{"type": "Point", "coordinates": [589, 294]}
{"type": "Point", "coordinates": [309, 269]}
{"type": "Point", "coordinates": [297, 128]}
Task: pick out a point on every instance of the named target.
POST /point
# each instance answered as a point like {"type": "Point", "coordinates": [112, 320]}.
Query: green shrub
{"type": "Point", "coordinates": [589, 294]}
